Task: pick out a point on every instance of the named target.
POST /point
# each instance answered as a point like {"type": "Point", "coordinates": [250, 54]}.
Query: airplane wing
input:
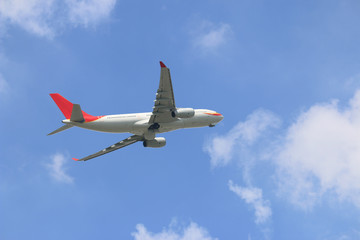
{"type": "Point", "coordinates": [164, 102]}
{"type": "Point", "coordinates": [126, 142]}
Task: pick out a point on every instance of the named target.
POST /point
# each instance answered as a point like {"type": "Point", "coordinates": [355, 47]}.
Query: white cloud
{"type": "Point", "coordinates": [253, 196]}
{"type": "Point", "coordinates": [87, 12]}
{"type": "Point", "coordinates": [208, 36]}
{"type": "Point", "coordinates": [222, 148]}
{"type": "Point", "coordinates": [57, 169]}
{"type": "Point", "coordinates": [317, 158]}
{"type": "Point", "coordinates": [321, 155]}
{"type": "Point", "coordinates": [191, 232]}
{"type": "Point", "coordinates": [32, 15]}
{"type": "Point", "coordinates": [45, 17]}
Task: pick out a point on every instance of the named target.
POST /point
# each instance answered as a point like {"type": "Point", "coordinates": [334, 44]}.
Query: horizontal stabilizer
{"type": "Point", "coordinates": [76, 114]}
{"type": "Point", "coordinates": [67, 126]}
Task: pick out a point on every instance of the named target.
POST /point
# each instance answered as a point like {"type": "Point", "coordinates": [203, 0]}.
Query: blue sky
{"type": "Point", "coordinates": [283, 164]}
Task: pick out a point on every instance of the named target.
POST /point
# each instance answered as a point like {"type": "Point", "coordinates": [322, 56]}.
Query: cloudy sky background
{"type": "Point", "coordinates": [283, 164]}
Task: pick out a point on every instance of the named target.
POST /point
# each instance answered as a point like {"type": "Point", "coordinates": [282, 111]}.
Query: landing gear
{"type": "Point", "coordinates": [154, 126]}
{"type": "Point", "coordinates": [150, 134]}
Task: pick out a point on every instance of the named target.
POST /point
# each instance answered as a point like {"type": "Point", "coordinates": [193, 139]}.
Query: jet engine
{"type": "Point", "coordinates": [155, 143]}
{"type": "Point", "coordinates": [183, 113]}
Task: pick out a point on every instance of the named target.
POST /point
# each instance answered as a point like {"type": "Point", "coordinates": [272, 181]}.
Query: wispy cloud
{"type": "Point", "coordinates": [193, 231]}
{"type": "Point", "coordinates": [32, 15]}
{"type": "Point", "coordinates": [241, 143]}
{"type": "Point", "coordinates": [57, 169]}
{"type": "Point", "coordinates": [222, 148]}
{"type": "Point", "coordinates": [320, 155]}
{"type": "Point", "coordinates": [89, 12]}
{"type": "Point", "coordinates": [253, 196]}
{"type": "Point", "coordinates": [45, 17]}
{"type": "Point", "coordinates": [317, 157]}
{"type": "Point", "coordinates": [208, 36]}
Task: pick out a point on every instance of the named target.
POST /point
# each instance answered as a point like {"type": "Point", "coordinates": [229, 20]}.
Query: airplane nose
{"type": "Point", "coordinates": [221, 117]}
{"type": "Point", "coordinates": [215, 118]}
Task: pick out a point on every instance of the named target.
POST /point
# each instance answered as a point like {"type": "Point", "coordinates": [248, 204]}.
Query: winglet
{"type": "Point", "coordinates": [162, 64]}
{"type": "Point", "coordinates": [75, 159]}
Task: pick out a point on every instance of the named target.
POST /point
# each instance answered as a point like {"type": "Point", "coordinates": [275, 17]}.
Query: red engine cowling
{"type": "Point", "coordinates": [155, 143]}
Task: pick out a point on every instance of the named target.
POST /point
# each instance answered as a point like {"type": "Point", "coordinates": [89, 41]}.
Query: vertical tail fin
{"type": "Point", "coordinates": [64, 105]}
{"type": "Point", "coordinates": [72, 111]}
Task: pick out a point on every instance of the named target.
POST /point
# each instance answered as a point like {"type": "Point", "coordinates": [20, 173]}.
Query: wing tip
{"type": "Point", "coordinates": [162, 64]}
{"type": "Point", "coordinates": [75, 159]}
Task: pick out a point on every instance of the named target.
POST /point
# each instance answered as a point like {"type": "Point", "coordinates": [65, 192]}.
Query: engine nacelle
{"type": "Point", "coordinates": [155, 143]}
{"type": "Point", "coordinates": [183, 113]}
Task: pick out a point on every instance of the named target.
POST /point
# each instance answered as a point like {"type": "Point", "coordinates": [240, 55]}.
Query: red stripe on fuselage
{"type": "Point", "coordinates": [90, 118]}
{"type": "Point", "coordinates": [214, 114]}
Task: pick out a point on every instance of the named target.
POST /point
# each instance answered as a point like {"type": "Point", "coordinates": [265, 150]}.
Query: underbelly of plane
{"type": "Point", "coordinates": [142, 126]}
{"type": "Point", "coordinates": [113, 127]}
{"type": "Point", "coordinates": [171, 126]}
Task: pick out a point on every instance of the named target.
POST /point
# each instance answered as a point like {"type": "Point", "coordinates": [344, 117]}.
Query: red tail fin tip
{"type": "Point", "coordinates": [64, 105]}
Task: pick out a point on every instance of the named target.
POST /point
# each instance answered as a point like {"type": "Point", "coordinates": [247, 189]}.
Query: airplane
{"type": "Point", "coordinates": [165, 117]}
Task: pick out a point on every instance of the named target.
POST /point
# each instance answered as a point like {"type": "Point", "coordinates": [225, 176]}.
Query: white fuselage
{"type": "Point", "coordinates": [138, 123]}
